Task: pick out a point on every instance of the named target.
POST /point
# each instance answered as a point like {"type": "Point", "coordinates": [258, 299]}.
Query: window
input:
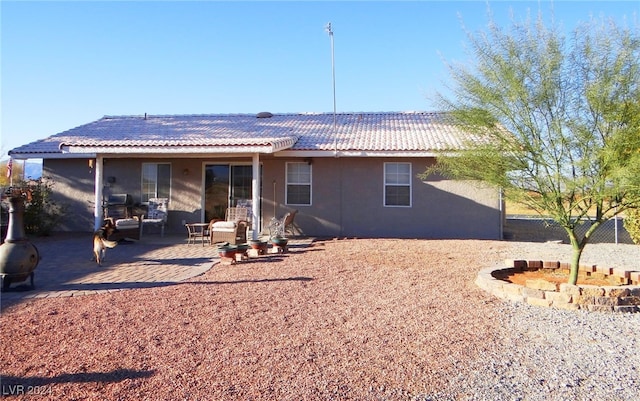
{"type": "Point", "coordinates": [298, 184]}
{"type": "Point", "coordinates": [397, 184]}
{"type": "Point", "coordinates": [156, 180]}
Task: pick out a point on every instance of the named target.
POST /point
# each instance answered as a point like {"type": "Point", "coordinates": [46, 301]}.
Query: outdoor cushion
{"type": "Point", "coordinates": [127, 223]}
{"type": "Point", "coordinates": [224, 225]}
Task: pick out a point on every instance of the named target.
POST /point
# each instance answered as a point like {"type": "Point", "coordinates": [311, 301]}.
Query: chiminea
{"type": "Point", "coordinates": [18, 256]}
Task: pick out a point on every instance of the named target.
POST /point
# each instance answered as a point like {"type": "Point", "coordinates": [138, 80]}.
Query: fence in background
{"type": "Point", "coordinates": [539, 229]}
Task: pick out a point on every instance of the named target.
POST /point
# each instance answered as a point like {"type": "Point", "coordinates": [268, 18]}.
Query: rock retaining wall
{"type": "Point", "coordinates": [624, 297]}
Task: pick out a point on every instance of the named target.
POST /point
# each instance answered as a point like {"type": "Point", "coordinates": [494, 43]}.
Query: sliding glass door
{"type": "Point", "coordinates": [216, 191]}
{"type": "Point", "coordinates": [226, 186]}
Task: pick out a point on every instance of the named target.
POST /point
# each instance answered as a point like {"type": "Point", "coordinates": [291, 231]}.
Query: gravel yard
{"type": "Point", "coordinates": [352, 319]}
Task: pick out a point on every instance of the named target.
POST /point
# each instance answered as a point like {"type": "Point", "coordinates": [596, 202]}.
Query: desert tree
{"type": "Point", "coordinates": [554, 119]}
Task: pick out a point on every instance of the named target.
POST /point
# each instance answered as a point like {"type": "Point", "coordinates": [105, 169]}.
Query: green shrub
{"type": "Point", "coordinates": [42, 214]}
{"type": "Point", "coordinates": [632, 224]}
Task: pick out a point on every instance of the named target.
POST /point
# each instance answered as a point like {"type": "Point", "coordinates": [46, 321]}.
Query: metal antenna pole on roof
{"type": "Point", "coordinates": [333, 73]}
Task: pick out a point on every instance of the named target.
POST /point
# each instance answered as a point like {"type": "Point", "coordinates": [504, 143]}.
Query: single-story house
{"type": "Point", "coordinates": [347, 174]}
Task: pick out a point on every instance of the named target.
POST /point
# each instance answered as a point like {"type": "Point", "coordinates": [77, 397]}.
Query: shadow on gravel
{"type": "Point", "coordinates": [259, 280]}
{"type": "Point", "coordinates": [13, 382]}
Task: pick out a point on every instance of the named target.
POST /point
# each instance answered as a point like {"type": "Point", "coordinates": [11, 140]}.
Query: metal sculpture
{"type": "Point", "coordinates": [18, 257]}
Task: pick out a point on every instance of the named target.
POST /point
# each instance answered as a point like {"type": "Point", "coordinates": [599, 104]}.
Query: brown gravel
{"type": "Point", "coordinates": [342, 319]}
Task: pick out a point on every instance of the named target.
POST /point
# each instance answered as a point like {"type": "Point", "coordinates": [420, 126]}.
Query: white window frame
{"type": "Point", "coordinates": [287, 183]}
{"type": "Point", "coordinates": [143, 190]}
{"type": "Point", "coordinates": [385, 184]}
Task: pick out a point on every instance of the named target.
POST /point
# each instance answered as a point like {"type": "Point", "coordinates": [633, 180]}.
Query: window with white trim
{"type": "Point", "coordinates": [298, 183]}
{"type": "Point", "coordinates": [156, 181]}
{"type": "Point", "coordinates": [397, 184]}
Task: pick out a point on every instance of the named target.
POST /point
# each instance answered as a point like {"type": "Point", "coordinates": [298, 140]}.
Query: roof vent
{"type": "Point", "coordinates": [264, 114]}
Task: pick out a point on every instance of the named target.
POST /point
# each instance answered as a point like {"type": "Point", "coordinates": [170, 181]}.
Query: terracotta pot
{"type": "Point", "coordinates": [242, 248]}
{"type": "Point", "coordinates": [279, 241]}
{"type": "Point", "coordinates": [227, 251]}
{"type": "Point", "coordinates": [257, 244]}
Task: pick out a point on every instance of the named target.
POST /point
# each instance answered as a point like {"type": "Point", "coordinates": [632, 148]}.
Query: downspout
{"type": "Point", "coordinates": [342, 202]}
{"type": "Point", "coordinates": [274, 198]}
{"type": "Point", "coordinates": [255, 199]}
{"type": "Point", "coordinates": [97, 209]}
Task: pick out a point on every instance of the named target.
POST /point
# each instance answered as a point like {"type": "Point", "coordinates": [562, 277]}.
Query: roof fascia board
{"type": "Point", "coordinates": [49, 155]}
{"type": "Point", "coordinates": [181, 156]}
{"type": "Point", "coordinates": [155, 150]}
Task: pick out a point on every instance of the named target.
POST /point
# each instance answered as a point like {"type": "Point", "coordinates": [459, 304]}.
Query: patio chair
{"type": "Point", "coordinates": [126, 224]}
{"type": "Point", "coordinates": [237, 213]}
{"type": "Point", "coordinates": [233, 229]}
{"type": "Point", "coordinates": [157, 214]}
{"type": "Point", "coordinates": [280, 227]}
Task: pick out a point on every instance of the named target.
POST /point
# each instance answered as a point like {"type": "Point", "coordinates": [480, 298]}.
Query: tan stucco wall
{"type": "Point", "coordinates": [347, 197]}
{"type": "Point", "coordinates": [72, 185]}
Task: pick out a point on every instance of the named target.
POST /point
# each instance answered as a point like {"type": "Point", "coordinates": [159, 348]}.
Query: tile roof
{"type": "Point", "coordinates": [354, 132]}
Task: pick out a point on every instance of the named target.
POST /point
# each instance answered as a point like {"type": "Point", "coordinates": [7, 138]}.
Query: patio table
{"type": "Point", "coordinates": [197, 230]}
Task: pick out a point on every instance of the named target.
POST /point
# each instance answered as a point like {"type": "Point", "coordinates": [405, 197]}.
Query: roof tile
{"type": "Point", "coordinates": [388, 131]}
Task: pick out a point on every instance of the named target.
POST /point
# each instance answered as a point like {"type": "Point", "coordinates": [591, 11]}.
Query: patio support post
{"type": "Point", "coordinates": [255, 201]}
{"type": "Point", "coordinates": [97, 210]}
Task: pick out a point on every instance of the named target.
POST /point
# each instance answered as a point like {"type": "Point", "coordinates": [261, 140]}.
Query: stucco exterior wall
{"type": "Point", "coordinates": [347, 197]}
{"type": "Point", "coordinates": [72, 186]}
{"type": "Point", "coordinates": [348, 200]}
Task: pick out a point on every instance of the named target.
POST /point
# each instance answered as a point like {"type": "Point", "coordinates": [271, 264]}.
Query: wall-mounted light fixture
{"type": "Point", "coordinates": [91, 162]}
{"type": "Point", "coordinates": [185, 171]}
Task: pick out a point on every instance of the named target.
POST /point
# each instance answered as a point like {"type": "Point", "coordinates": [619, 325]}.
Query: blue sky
{"type": "Point", "coordinates": [66, 64]}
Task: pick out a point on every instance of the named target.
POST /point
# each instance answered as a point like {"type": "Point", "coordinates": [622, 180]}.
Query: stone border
{"type": "Point", "coordinates": [614, 298]}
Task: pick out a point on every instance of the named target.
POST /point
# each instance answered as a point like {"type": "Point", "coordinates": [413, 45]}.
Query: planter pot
{"type": "Point", "coordinates": [227, 251]}
{"type": "Point", "coordinates": [242, 248]}
{"type": "Point", "coordinates": [256, 244]}
{"type": "Point", "coordinates": [260, 246]}
{"type": "Point", "coordinates": [280, 244]}
{"type": "Point", "coordinates": [279, 241]}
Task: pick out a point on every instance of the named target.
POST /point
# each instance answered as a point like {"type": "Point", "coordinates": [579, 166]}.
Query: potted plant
{"type": "Point", "coordinates": [280, 243]}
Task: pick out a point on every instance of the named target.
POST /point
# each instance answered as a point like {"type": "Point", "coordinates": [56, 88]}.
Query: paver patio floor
{"type": "Point", "coordinates": [67, 268]}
